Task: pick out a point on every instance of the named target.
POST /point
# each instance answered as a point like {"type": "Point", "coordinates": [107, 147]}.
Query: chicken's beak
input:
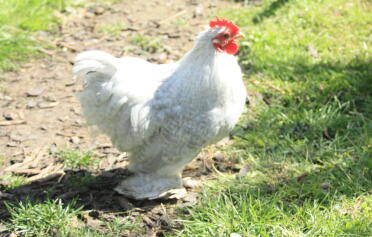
{"type": "Point", "coordinates": [239, 35]}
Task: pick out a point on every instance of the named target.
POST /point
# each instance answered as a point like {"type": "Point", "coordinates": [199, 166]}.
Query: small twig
{"type": "Point", "coordinates": [37, 157]}
{"type": "Point", "coordinates": [61, 177]}
{"type": "Point", "coordinates": [18, 165]}
{"type": "Point", "coordinates": [64, 134]}
{"type": "Point", "coordinates": [27, 172]}
{"type": "Point", "coordinates": [49, 177]}
{"type": "Point", "coordinates": [13, 167]}
{"type": "Point", "coordinates": [173, 16]}
{"type": "Point", "coordinates": [64, 45]}
{"type": "Point", "coordinates": [25, 164]}
{"type": "Point", "coordinates": [48, 173]}
{"type": "Point", "coordinates": [51, 54]}
{"type": "Point", "coordinates": [269, 85]}
{"type": "Point", "coordinates": [217, 171]}
{"type": "Point", "coordinates": [42, 50]}
{"type": "Point", "coordinates": [12, 122]}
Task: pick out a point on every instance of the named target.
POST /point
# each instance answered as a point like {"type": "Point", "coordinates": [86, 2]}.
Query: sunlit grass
{"type": "Point", "coordinates": [148, 43]}
{"type": "Point", "coordinates": [55, 218]}
{"type": "Point", "coordinates": [76, 158]}
{"type": "Point", "coordinates": [50, 218]}
{"type": "Point", "coordinates": [113, 29]}
{"type": "Point", "coordinates": [18, 19]}
{"type": "Point", "coordinates": [12, 181]}
{"type": "Point", "coordinates": [308, 145]}
{"type": "Point", "coordinates": [21, 19]}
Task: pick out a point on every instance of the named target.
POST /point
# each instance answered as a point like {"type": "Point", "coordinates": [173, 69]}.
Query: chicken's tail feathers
{"type": "Point", "coordinates": [94, 61]}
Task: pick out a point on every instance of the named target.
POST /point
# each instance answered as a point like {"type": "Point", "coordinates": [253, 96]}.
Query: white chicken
{"type": "Point", "coordinates": [163, 115]}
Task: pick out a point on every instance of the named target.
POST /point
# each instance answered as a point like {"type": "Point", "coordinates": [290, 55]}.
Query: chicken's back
{"type": "Point", "coordinates": [116, 95]}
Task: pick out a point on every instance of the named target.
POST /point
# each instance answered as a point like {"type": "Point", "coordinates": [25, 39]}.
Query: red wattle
{"type": "Point", "coordinates": [231, 48]}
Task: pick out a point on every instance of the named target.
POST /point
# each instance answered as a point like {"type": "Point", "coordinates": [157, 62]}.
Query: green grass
{"type": "Point", "coordinates": [12, 181]}
{"type": "Point", "coordinates": [18, 20]}
{"type": "Point", "coordinates": [76, 158]}
{"type": "Point", "coordinates": [55, 218]}
{"type": "Point", "coordinates": [2, 158]}
{"type": "Point", "coordinates": [181, 23]}
{"type": "Point", "coordinates": [50, 218]}
{"type": "Point", "coordinates": [262, 211]}
{"type": "Point", "coordinates": [85, 179]}
{"type": "Point", "coordinates": [113, 29]}
{"type": "Point", "coordinates": [309, 146]}
{"type": "Point", "coordinates": [147, 43]}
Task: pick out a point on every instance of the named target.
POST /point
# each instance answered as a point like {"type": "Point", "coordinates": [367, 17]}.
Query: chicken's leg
{"type": "Point", "coordinates": [155, 178]}
{"type": "Point", "coordinates": [151, 186]}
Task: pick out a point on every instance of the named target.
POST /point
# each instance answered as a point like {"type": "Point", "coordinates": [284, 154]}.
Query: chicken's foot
{"type": "Point", "coordinates": [151, 186]}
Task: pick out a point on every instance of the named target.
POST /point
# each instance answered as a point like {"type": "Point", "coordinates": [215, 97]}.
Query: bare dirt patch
{"type": "Point", "coordinates": [40, 115]}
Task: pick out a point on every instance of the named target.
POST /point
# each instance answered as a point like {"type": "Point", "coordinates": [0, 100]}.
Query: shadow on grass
{"type": "Point", "coordinates": [303, 203]}
{"type": "Point", "coordinates": [323, 185]}
{"type": "Point", "coordinates": [269, 11]}
{"type": "Point", "coordinates": [90, 191]}
{"type": "Point", "coordinates": [319, 83]}
{"type": "Point", "coordinates": [344, 164]}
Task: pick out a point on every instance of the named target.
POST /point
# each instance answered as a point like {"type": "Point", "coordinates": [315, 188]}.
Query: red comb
{"type": "Point", "coordinates": [225, 23]}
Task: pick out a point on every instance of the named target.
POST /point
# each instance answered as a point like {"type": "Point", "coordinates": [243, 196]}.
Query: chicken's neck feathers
{"type": "Point", "coordinates": [198, 76]}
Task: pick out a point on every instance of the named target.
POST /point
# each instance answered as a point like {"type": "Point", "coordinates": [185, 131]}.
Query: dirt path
{"type": "Point", "coordinates": [40, 114]}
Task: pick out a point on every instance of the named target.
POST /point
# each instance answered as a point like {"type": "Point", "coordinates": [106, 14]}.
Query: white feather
{"type": "Point", "coordinates": [162, 114]}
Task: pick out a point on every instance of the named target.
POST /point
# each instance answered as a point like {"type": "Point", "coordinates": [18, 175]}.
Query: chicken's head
{"type": "Point", "coordinates": [224, 41]}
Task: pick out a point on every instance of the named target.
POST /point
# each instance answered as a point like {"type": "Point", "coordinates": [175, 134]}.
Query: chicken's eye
{"type": "Point", "coordinates": [226, 36]}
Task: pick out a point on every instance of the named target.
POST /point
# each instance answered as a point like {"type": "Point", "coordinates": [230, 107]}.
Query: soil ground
{"type": "Point", "coordinates": [40, 115]}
